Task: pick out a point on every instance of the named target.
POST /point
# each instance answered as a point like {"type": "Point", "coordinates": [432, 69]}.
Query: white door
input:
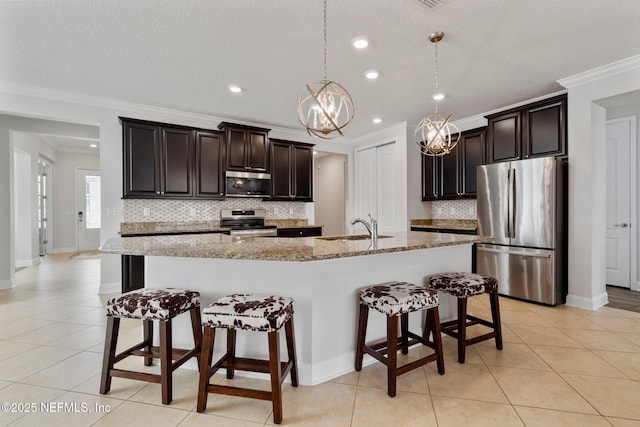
{"type": "Point", "coordinates": [88, 209]}
{"type": "Point", "coordinates": [376, 186]}
{"type": "Point", "coordinates": [366, 184]}
{"type": "Point", "coordinates": [620, 201]}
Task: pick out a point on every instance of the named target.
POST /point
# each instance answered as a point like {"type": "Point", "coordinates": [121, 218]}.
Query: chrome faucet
{"type": "Point", "coordinates": [372, 227]}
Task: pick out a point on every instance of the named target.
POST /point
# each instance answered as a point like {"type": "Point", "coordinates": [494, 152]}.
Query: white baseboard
{"type": "Point", "coordinates": [110, 288]}
{"type": "Point", "coordinates": [588, 303]}
{"type": "Point", "coordinates": [63, 250]}
{"type": "Point", "coordinates": [7, 284]}
{"type": "Point", "coordinates": [20, 263]}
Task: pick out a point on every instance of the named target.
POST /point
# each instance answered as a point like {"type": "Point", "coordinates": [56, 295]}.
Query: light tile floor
{"type": "Point", "coordinates": [560, 367]}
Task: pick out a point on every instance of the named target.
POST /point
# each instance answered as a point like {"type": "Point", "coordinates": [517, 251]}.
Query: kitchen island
{"type": "Point", "coordinates": [321, 274]}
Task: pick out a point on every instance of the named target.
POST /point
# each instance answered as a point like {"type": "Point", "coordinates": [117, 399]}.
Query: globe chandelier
{"type": "Point", "coordinates": [325, 108]}
{"type": "Point", "coordinates": [435, 135]}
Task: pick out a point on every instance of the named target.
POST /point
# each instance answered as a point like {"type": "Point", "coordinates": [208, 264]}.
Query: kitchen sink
{"type": "Point", "coordinates": [350, 237]}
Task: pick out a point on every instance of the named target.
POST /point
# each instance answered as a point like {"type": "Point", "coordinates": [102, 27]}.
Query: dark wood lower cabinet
{"type": "Point", "coordinates": [132, 272]}
{"type": "Point", "coordinates": [300, 232]}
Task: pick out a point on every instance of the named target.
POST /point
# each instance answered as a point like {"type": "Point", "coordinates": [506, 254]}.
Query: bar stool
{"type": "Point", "coordinates": [396, 300]}
{"type": "Point", "coordinates": [265, 313]}
{"type": "Point", "coordinates": [463, 286]}
{"type": "Point", "coordinates": [149, 305]}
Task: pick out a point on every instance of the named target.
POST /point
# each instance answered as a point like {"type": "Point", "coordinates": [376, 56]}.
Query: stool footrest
{"type": "Point", "coordinates": [242, 392]}
{"type": "Point", "coordinates": [134, 375]}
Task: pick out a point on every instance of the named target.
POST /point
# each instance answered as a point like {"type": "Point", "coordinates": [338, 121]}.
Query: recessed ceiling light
{"type": "Point", "coordinates": [438, 96]}
{"type": "Point", "coordinates": [377, 120]}
{"type": "Point", "coordinates": [93, 145]}
{"type": "Point", "coordinates": [360, 42]}
{"type": "Point", "coordinates": [372, 74]}
{"type": "Point", "coordinates": [235, 88]}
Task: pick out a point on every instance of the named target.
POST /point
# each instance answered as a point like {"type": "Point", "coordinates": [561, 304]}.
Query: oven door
{"type": "Point", "coordinates": [247, 184]}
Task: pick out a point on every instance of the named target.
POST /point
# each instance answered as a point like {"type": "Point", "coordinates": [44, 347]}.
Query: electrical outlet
{"type": "Point", "coordinates": [470, 210]}
{"type": "Point", "coordinates": [452, 211]}
{"type": "Point", "coordinates": [193, 211]}
{"type": "Point", "coordinates": [438, 211]}
{"type": "Point", "coordinates": [290, 211]}
{"type": "Point", "coordinates": [276, 211]}
{"type": "Point", "coordinates": [146, 212]}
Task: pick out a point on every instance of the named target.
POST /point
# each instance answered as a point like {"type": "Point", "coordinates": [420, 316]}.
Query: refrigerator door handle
{"type": "Point", "coordinates": [513, 203]}
{"type": "Point", "coordinates": [519, 253]}
{"type": "Point", "coordinates": [508, 205]}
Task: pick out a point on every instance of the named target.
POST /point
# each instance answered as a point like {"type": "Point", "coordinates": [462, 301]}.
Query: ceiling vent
{"type": "Point", "coordinates": [430, 3]}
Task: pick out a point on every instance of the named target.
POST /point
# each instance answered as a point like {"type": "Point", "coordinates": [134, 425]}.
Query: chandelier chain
{"type": "Point", "coordinates": [436, 74]}
{"type": "Point", "coordinates": [325, 39]}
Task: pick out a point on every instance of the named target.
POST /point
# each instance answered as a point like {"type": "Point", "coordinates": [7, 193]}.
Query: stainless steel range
{"type": "Point", "coordinates": [246, 222]}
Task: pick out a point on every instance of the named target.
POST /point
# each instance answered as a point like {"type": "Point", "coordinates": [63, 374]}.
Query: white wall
{"type": "Point", "coordinates": [329, 193]}
{"type": "Point", "coordinates": [22, 203]}
{"type": "Point", "coordinates": [587, 175]}
{"type": "Point", "coordinates": [64, 193]}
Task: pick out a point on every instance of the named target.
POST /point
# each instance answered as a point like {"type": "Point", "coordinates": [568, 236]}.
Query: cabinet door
{"type": "Point", "coordinates": [449, 182]}
{"type": "Point", "coordinates": [430, 178]}
{"type": "Point", "coordinates": [141, 160]}
{"type": "Point", "coordinates": [545, 130]}
{"type": "Point", "coordinates": [281, 171]}
{"type": "Point", "coordinates": [471, 156]}
{"type": "Point", "coordinates": [503, 142]}
{"type": "Point", "coordinates": [236, 149]}
{"type": "Point", "coordinates": [302, 173]}
{"type": "Point", "coordinates": [177, 162]}
{"type": "Point", "coordinates": [257, 151]}
{"type": "Point", "coordinates": [209, 165]}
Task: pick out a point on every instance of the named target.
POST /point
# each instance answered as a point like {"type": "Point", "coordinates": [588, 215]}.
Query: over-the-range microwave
{"type": "Point", "coordinates": [247, 184]}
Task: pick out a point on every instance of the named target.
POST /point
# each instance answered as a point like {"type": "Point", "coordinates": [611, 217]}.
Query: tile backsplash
{"type": "Point", "coordinates": [152, 210]}
{"type": "Point", "coordinates": [454, 209]}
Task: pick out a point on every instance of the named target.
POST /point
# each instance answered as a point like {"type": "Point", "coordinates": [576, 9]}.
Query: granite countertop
{"type": "Point", "coordinates": [186, 227]}
{"type": "Point", "coordinates": [222, 246]}
{"type": "Point", "coordinates": [446, 224]}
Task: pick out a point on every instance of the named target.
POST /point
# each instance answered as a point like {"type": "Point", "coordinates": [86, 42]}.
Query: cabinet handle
{"type": "Point", "coordinates": [157, 192]}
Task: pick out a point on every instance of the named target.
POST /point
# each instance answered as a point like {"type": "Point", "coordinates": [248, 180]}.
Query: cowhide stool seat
{"type": "Point", "coordinates": [160, 305]}
{"type": "Point", "coordinates": [463, 286]}
{"type": "Point", "coordinates": [265, 313]}
{"type": "Point", "coordinates": [396, 300]}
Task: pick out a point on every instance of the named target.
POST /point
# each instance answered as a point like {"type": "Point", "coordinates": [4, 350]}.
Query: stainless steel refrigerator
{"type": "Point", "coordinates": [522, 205]}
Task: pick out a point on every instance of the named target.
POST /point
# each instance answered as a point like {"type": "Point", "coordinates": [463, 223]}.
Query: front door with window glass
{"type": "Point", "coordinates": [88, 209]}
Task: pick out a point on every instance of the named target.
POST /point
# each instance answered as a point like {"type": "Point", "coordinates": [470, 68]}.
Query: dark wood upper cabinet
{"type": "Point", "coordinates": [430, 178]}
{"type": "Point", "coordinates": [158, 160]}
{"type": "Point", "coordinates": [171, 161]}
{"type": "Point", "coordinates": [141, 159]}
{"type": "Point", "coordinates": [534, 130]}
{"type": "Point", "coordinates": [209, 177]}
{"type": "Point", "coordinates": [247, 147]}
{"type": "Point", "coordinates": [291, 170]}
{"type": "Point", "coordinates": [453, 176]}
{"type": "Point", "coordinates": [544, 128]}
{"type": "Point", "coordinates": [177, 162]}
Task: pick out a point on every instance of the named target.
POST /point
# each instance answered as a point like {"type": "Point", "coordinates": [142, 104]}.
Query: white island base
{"type": "Point", "coordinates": [325, 295]}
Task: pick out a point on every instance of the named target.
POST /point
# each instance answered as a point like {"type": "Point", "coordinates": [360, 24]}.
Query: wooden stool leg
{"type": "Point", "coordinates": [206, 355]}
{"type": "Point", "coordinates": [205, 367]}
{"type": "Point", "coordinates": [291, 350]}
{"type": "Point", "coordinates": [147, 328]}
{"type": "Point", "coordinates": [462, 328]}
{"type": "Point", "coordinates": [110, 343]}
{"type": "Point", "coordinates": [404, 329]}
{"type": "Point", "coordinates": [495, 312]}
{"type": "Point", "coordinates": [433, 315]}
{"type": "Point", "coordinates": [196, 326]}
{"type": "Point", "coordinates": [276, 376]}
{"type": "Point", "coordinates": [231, 350]}
{"type": "Point", "coordinates": [362, 330]}
{"type": "Point", "coordinates": [166, 361]}
{"type": "Point", "coordinates": [392, 354]}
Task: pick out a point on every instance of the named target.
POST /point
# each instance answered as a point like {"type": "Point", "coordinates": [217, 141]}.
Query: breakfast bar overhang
{"type": "Point", "coordinates": [323, 276]}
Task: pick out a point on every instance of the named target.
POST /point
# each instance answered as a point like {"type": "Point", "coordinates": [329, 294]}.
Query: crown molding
{"type": "Point", "coordinates": [597, 73]}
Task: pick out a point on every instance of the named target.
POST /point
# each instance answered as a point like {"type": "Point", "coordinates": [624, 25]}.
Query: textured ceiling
{"type": "Point", "coordinates": [183, 54]}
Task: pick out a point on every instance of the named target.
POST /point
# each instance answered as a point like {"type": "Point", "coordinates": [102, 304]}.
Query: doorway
{"type": "Point", "coordinates": [44, 170]}
{"type": "Point", "coordinates": [621, 237]}
{"type": "Point", "coordinates": [329, 190]}
{"type": "Point", "coordinates": [88, 209]}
